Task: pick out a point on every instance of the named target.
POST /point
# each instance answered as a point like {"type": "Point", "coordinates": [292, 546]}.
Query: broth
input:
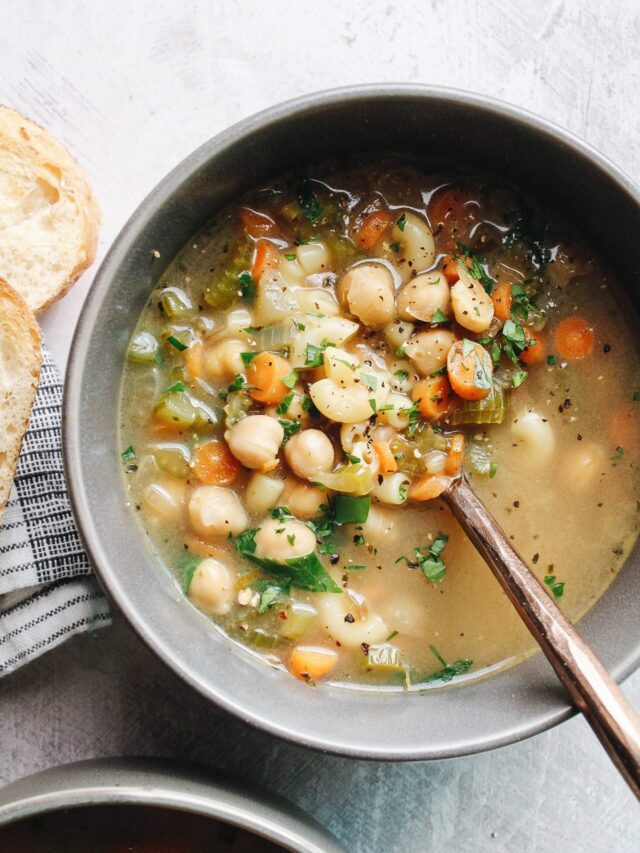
{"type": "Point", "coordinates": [553, 455]}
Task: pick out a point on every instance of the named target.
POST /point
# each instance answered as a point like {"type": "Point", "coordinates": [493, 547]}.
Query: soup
{"type": "Point", "coordinates": [318, 364]}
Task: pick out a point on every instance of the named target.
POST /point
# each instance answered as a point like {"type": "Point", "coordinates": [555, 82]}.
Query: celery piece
{"type": "Point", "coordinates": [222, 290]}
{"type": "Point", "coordinates": [173, 458]}
{"type": "Point", "coordinates": [478, 458]}
{"type": "Point", "coordinates": [489, 410]}
{"type": "Point", "coordinates": [411, 453]}
{"type": "Point", "coordinates": [384, 658]}
{"type": "Point", "coordinates": [352, 479]}
{"type": "Point", "coordinates": [143, 348]}
{"type": "Point", "coordinates": [344, 251]}
{"type": "Point", "coordinates": [175, 302]}
{"type": "Point", "coordinates": [300, 617]}
{"type": "Point", "coordinates": [259, 638]}
{"type": "Point", "coordinates": [182, 410]}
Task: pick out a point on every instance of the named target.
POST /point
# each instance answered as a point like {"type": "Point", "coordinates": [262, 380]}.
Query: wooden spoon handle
{"type": "Point", "coordinates": [591, 687]}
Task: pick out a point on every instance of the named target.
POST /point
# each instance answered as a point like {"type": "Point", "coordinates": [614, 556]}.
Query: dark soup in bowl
{"type": "Point", "coordinates": [318, 364]}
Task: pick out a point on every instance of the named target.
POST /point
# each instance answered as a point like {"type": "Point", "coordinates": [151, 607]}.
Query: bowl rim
{"type": "Point", "coordinates": [163, 783]}
{"type": "Point", "coordinates": [521, 729]}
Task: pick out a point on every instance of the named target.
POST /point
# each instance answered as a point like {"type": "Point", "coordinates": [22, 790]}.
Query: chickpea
{"type": "Point", "coordinates": [308, 453]}
{"type": "Point", "coordinates": [304, 500]}
{"type": "Point", "coordinates": [423, 296]}
{"type": "Point", "coordinates": [472, 305]}
{"type": "Point", "coordinates": [263, 492]}
{"type": "Point", "coordinates": [536, 437]}
{"type": "Point", "coordinates": [215, 512]}
{"type": "Point", "coordinates": [211, 587]}
{"type": "Point", "coordinates": [255, 441]}
{"type": "Point", "coordinates": [368, 291]}
{"type": "Point", "coordinates": [222, 360]}
{"type": "Point", "coordinates": [429, 350]}
{"type": "Point", "coordinates": [282, 540]}
{"type": "Point", "coordinates": [165, 500]}
{"type": "Point", "coordinates": [583, 466]}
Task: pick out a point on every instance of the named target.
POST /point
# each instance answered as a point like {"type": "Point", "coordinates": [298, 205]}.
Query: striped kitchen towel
{"type": "Point", "coordinates": [47, 588]}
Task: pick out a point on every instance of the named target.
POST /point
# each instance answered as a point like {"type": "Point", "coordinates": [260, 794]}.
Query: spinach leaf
{"type": "Point", "coordinates": [305, 572]}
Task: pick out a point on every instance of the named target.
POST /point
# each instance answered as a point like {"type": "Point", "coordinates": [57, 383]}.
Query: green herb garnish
{"type": "Point", "coordinates": [309, 203]}
{"type": "Point", "coordinates": [439, 317]}
{"type": "Point", "coordinates": [247, 286]}
{"type": "Point", "coordinates": [348, 509]}
{"type": "Point", "coordinates": [305, 572]}
{"type": "Point", "coordinates": [401, 222]}
{"type": "Point", "coordinates": [128, 454]}
{"type": "Point", "coordinates": [176, 343]}
{"type": "Point", "coordinates": [556, 587]}
{"type": "Point", "coordinates": [247, 357]}
{"type": "Point", "coordinates": [290, 428]}
{"type": "Point", "coordinates": [283, 407]}
{"type": "Point", "coordinates": [290, 379]}
{"type": "Point", "coordinates": [427, 558]}
{"type": "Point", "coordinates": [518, 378]}
{"type": "Point", "coordinates": [449, 670]}
{"type": "Point", "coordinates": [290, 256]}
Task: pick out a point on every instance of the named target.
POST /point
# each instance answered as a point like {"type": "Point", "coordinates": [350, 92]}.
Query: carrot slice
{"type": "Point", "coordinates": [624, 426]}
{"type": "Point", "coordinates": [215, 465]}
{"type": "Point", "coordinates": [373, 227]}
{"type": "Point", "coordinates": [455, 455]}
{"type": "Point", "coordinates": [266, 257]}
{"type": "Point", "coordinates": [450, 269]}
{"type": "Point", "coordinates": [203, 549]}
{"type": "Point", "coordinates": [193, 360]}
{"type": "Point", "coordinates": [386, 458]}
{"type": "Point", "coordinates": [257, 224]}
{"type": "Point", "coordinates": [265, 374]}
{"type": "Point", "coordinates": [501, 298]}
{"type": "Point", "coordinates": [311, 663]}
{"type": "Point", "coordinates": [574, 338]}
{"type": "Point", "coordinates": [429, 486]}
{"type": "Point", "coordinates": [470, 370]}
{"type": "Point", "coordinates": [434, 397]}
{"type": "Point", "coordinates": [536, 352]}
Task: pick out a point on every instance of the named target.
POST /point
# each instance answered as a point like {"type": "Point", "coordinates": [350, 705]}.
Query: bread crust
{"type": "Point", "coordinates": [19, 333]}
{"type": "Point", "coordinates": [34, 143]}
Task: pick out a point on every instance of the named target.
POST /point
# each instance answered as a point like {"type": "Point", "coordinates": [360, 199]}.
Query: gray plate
{"type": "Point", "coordinates": [169, 785]}
{"type": "Point", "coordinates": [443, 123]}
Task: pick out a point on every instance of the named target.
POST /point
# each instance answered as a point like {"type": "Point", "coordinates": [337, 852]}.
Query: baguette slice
{"type": "Point", "coordinates": [49, 216]}
{"type": "Point", "coordinates": [20, 361]}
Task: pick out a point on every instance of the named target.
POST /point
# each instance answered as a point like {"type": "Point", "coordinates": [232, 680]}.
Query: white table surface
{"type": "Point", "coordinates": [133, 87]}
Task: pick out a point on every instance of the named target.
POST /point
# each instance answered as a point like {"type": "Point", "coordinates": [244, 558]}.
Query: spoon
{"type": "Point", "coordinates": [592, 689]}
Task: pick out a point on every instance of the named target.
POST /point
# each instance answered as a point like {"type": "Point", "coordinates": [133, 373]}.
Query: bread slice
{"type": "Point", "coordinates": [49, 216]}
{"type": "Point", "coordinates": [20, 361]}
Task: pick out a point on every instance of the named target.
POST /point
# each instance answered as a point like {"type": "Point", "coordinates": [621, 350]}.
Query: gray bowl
{"type": "Point", "coordinates": [447, 722]}
{"type": "Point", "coordinates": [164, 785]}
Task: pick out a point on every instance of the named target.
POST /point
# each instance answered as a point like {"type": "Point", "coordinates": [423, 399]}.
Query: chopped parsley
{"type": "Point", "coordinates": [475, 268]}
{"type": "Point", "coordinates": [290, 256]}
{"type": "Point", "coordinates": [429, 560]}
{"type": "Point", "coordinates": [176, 343]}
{"type": "Point", "coordinates": [283, 407]}
{"type": "Point", "coordinates": [404, 374]}
{"type": "Point", "coordinates": [636, 396]}
{"type": "Point", "coordinates": [176, 388]}
{"type": "Point", "coordinates": [373, 405]}
{"type": "Point", "coordinates": [493, 469]}
{"type": "Point", "coordinates": [290, 379]}
{"type": "Point", "coordinates": [395, 247]}
{"type": "Point", "coordinates": [518, 378]}
{"type": "Point", "coordinates": [305, 572]}
{"type": "Point", "coordinates": [128, 454]}
{"type": "Point", "coordinates": [247, 286]}
{"type": "Point", "coordinates": [370, 381]}
{"type": "Point", "coordinates": [449, 670]}
{"type": "Point", "coordinates": [247, 357]}
{"type": "Point", "coordinates": [238, 384]}
{"type": "Point", "coordinates": [439, 317]}
{"type": "Point", "coordinates": [314, 356]}
{"type": "Point", "coordinates": [290, 428]}
{"type": "Point", "coordinates": [619, 454]}
{"type": "Point", "coordinates": [401, 222]}
{"type": "Point", "coordinates": [552, 359]}
{"type": "Point", "coordinates": [309, 203]}
{"type": "Point", "coordinates": [391, 636]}
{"type": "Point", "coordinates": [556, 587]}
